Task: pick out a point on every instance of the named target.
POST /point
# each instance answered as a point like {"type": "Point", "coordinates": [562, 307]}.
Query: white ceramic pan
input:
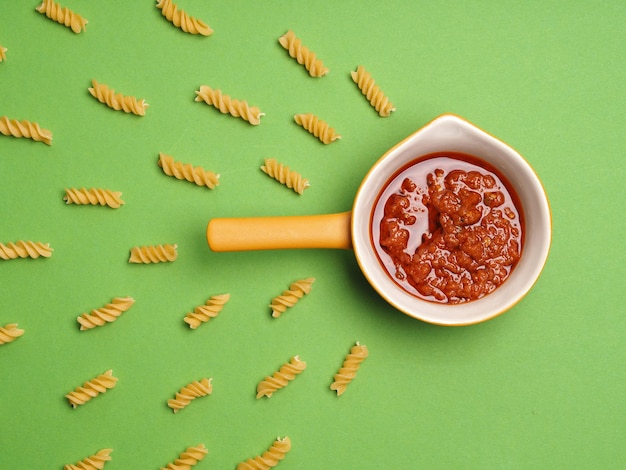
{"type": "Point", "coordinates": [352, 230]}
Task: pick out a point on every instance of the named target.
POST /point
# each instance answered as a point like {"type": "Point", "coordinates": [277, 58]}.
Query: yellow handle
{"type": "Point", "coordinates": [271, 233]}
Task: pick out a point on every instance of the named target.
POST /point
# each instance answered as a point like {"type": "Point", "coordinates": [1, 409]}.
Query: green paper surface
{"type": "Point", "coordinates": [541, 386]}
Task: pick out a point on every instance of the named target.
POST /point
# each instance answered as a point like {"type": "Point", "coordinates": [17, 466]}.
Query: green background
{"type": "Point", "coordinates": [541, 386]}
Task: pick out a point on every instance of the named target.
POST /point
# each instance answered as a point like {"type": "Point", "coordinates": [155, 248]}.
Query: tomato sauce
{"type": "Point", "coordinates": [448, 228]}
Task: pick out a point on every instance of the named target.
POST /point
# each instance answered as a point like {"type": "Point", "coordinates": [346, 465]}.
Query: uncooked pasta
{"type": "Point", "coordinates": [117, 101]}
{"type": "Point", "coordinates": [9, 333]}
{"type": "Point", "coordinates": [270, 458]}
{"type": "Point", "coordinates": [153, 254]}
{"type": "Point", "coordinates": [185, 171]}
{"type": "Point", "coordinates": [203, 313]}
{"type": "Point", "coordinates": [191, 391]}
{"type": "Point", "coordinates": [317, 127]}
{"type": "Point", "coordinates": [290, 297]}
{"type": "Point", "coordinates": [61, 15]}
{"type": "Point", "coordinates": [94, 197]}
{"type": "Point", "coordinates": [107, 314]}
{"type": "Point", "coordinates": [188, 458]}
{"type": "Point", "coordinates": [24, 249]}
{"type": "Point", "coordinates": [92, 388]}
{"type": "Point", "coordinates": [182, 20]}
{"type": "Point", "coordinates": [348, 370]}
{"type": "Point", "coordinates": [372, 92]}
{"type": "Point", "coordinates": [283, 174]}
{"type": "Point", "coordinates": [24, 128]}
{"type": "Point", "coordinates": [302, 54]}
{"type": "Point", "coordinates": [227, 105]}
{"type": "Point", "coordinates": [280, 378]}
{"type": "Point", "coordinates": [94, 462]}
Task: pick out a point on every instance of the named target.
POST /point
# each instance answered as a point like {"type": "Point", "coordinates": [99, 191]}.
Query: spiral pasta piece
{"type": "Point", "coordinates": [372, 92]}
{"type": "Point", "coordinates": [24, 249]}
{"type": "Point", "coordinates": [3, 53]}
{"type": "Point", "coordinates": [93, 196]}
{"type": "Point", "coordinates": [185, 171]}
{"type": "Point", "coordinates": [107, 314]}
{"type": "Point", "coordinates": [348, 370]}
{"type": "Point", "coordinates": [281, 378]}
{"type": "Point", "coordinates": [9, 333]}
{"type": "Point", "coordinates": [302, 54]}
{"type": "Point", "coordinates": [270, 458]}
{"type": "Point", "coordinates": [188, 458]}
{"type": "Point", "coordinates": [203, 313]}
{"type": "Point", "coordinates": [92, 388]}
{"type": "Point", "coordinates": [153, 254]}
{"type": "Point", "coordinates": [182, 20]}
{"type": "Point", "coordinates": [24, 128]}
{"type": "Point", "coordinates": [290, 297]}
{"type": "Point", "coordinates": [227, 105]}
{"type": "Point", "coordinates": [284, 175]}
{"type": "Point", "coordinates": [61, 15]}
{"type": "Point", "coordinates": [190, 392]}
{"type": "Point", "coordinates": [117, 101]}
{"type": "Point", "coordinates": [94, 462]}
{"type": "Point", "coordinates": [317, 127]}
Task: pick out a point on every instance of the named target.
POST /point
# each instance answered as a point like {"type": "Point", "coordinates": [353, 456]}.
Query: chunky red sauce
{"type": "Point", "coordinates": [448, 228]}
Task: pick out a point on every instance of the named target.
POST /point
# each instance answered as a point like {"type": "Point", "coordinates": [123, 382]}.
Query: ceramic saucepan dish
{"type": "Point", "coordinates": [353, 229]}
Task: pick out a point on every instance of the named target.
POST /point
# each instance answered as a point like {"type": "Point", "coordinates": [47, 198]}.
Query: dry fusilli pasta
{"type": "Point", "coordinates": [62, 15]}
{"type": "Point", "coordinates": [107, 314]}
{"type": "Point", "coordinates": [188, 458]}
{"type": "Point", "coordinates": [280, 378]}
{"type": "Point", "coordinates": [117, 101]}
{"type": "Point", "coordinates": [182, 20]}
{"type": "Point", "coordinates": [153, 254]}
{"type": "Point", "coordinates": [93, 196]}
{"type": "Point", "coordinates": [372, 92]}
{"type": "Point", "coordinates": [227, 105]}
{"type": "Point", "coordinates": [24, 249]}
{"type": "Point", "coordinates": [189, 392]}
{"type": "Point", "coordinates": [270, 458]}
{"type": "Point", "coordinates": [291, 296]}
{"type": "Point", "coordinates": [92, 388]}
{"type": "Point", "coordinates": [9, 333]}
{"type": "Point", "coordinates": [348, 370]}
{"type": "Point", "coordinates": [3, 55]}
{"type": "Point", "coordinates": [26, 129]}
{"type": "Point", "coordinates": [204, 313]}
{"type": "Point", "coordinates": [303, 56]}
{"type": "Point", "coordinates": [185, 171]}
{"type": "Point", "coordinates": [283, 174]}
{"type": "Point", "coordinates": [317, 127]}
{"type": "Point", "coordinates": [94, 462]}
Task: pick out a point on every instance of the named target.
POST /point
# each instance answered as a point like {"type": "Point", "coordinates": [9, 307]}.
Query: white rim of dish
{"type": "Point", "coordinates": [450, 132]}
